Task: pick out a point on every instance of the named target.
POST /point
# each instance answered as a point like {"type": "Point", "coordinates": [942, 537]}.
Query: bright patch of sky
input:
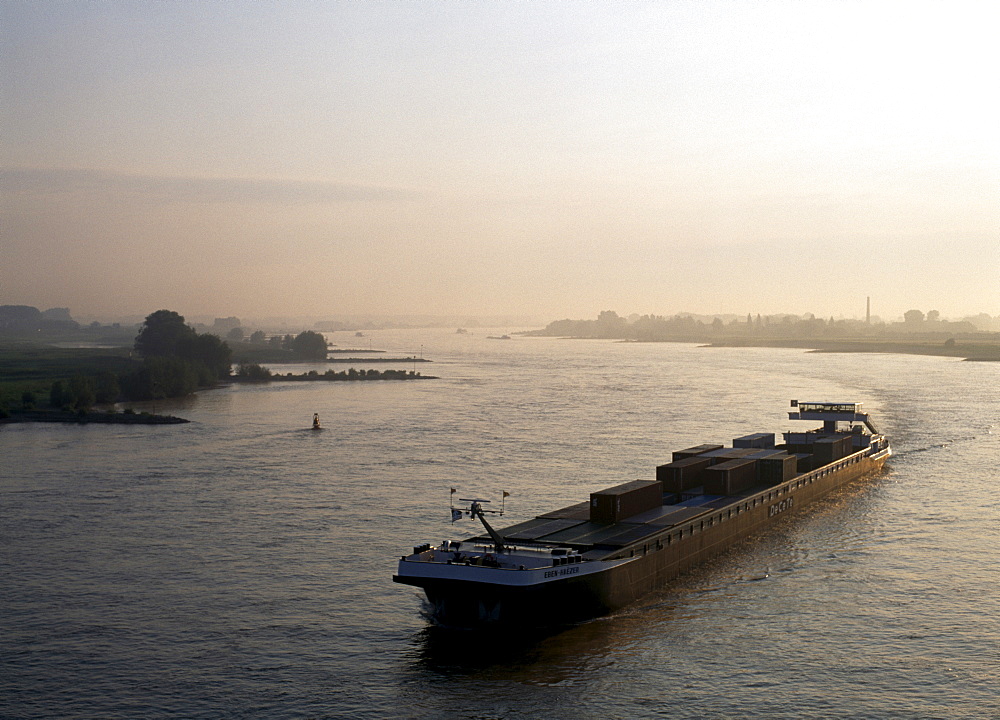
{"type": "Point", "coordinates": [546, 159]}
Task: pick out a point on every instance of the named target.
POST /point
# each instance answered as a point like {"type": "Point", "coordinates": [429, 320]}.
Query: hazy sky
{"type": "Point", "coordinates": [544, 158]}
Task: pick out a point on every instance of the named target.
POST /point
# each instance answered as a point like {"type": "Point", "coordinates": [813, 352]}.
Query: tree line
{"type": "Point", "coordinates": [170, 359]}
{"type": "Point", "coordinates": [253, 372]}
{"type": "Point", "coordinates": [610, 325]}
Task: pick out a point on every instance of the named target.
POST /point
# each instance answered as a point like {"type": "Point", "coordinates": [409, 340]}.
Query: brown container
{"type": "Point", "coordinates": [726, 454]}
{"type": "Point", "coordinates": [761, 454]}
{"type": "Point", "coordinates": [757, 440]}
{"type": "Point", "coordinates": [832, 448]}
{"type": "Point", "coordinates": [692, 451]}
{"type": "Point", "coordinates": [682, 475]}
{"type": "Point", "coordinates": [730, 477]}
{"type": "Point", "coordinates": [776, 469]}
{"type": "Point", "coordinates": [623, 501]}
{"type": "Point", "coordinates": [824, 451]}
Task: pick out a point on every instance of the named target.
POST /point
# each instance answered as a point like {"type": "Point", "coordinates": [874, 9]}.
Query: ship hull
{"type": "Point", "coordinates": [640, 568]}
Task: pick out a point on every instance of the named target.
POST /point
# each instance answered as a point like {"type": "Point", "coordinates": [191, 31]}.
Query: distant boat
{"type": "Point", "coordinates": [461, 331]}
{"type": "Point", "coordinates": [316, 425]}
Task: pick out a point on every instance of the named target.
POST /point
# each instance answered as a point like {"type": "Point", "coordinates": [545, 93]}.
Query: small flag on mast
{"type": "Point", "coordinates": [456, 515]}
{"type": "Point", "coordinates": [506, 494]}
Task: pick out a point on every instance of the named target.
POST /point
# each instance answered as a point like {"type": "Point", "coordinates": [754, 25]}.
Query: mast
{"type": "Point", "coordinates": [476, 510]}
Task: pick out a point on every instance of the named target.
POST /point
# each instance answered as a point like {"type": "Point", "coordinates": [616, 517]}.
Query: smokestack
{"type": "Point", "coordinates": [868, 311]}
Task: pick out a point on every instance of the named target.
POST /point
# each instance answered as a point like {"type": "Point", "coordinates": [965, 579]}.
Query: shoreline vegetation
{"type": "Point", "coordinates": [91, 416]}
{"type": "Point", "coordinates": [917, 335]}
{"type": "Point", "coordinates": [41, 381]}
{"type": "Point", "coordinates": [258, 374]}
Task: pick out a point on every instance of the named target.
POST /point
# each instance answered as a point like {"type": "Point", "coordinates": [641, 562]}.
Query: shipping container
{"type": "Point", "coordinates": [761, 454]}
{"type": "Point", "coordinates": [726, 454]}
{"type": "Point", "coordinates": [625, 500]}
{"type": "Point", "coordinates": [803, 462]}
{"type": "Point", "coordinates": [831, 448]}
{"type": "Point", "coordinates": [757, 440]}
{"type": "Point", "coordinates": [692, 451]}
{"type": "Point", "coordinates": [730, 477]}
{"type": "Point", "coordinates": [682, 475]}
{"type": "Point", "coordinates": [776, 469]}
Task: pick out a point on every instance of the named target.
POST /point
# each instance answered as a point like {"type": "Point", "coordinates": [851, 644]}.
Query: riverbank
{"type": "Point", "coordinates": [351, 375]}
{"type": "Point", "coordinates": [92, 416]}
{"type": "Point", "coordinates": [362, 361]}
{"type": "Point", "coordinates": [978, 352]}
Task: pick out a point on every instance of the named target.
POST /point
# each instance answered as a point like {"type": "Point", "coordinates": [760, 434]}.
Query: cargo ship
{"type": "Point", "coordinates": [598, 556]}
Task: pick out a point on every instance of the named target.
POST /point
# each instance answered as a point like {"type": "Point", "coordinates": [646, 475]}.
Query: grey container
{"type": "Point", "coordinates": [692, 451]}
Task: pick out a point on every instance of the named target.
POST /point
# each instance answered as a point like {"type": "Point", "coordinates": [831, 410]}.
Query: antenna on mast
{"type": "Point", "coordinates": [476, 510]}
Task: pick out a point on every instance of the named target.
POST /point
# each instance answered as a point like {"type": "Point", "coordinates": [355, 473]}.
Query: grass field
{"type": "Point", "coordinates": [33, 368]}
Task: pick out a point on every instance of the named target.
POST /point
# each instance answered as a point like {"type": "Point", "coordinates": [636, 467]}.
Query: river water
{"type": "Point", "coordinates": [240, 565]}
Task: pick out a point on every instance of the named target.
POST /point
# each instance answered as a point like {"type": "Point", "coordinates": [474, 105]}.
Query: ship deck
{"type": "Point", "coordinates": [571, 527]}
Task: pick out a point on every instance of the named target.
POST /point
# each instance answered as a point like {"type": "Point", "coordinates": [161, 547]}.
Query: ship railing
{"type": "Point", "coordinates": [516, 557]}
{"type": "Point", "coordinates": [778, 496]}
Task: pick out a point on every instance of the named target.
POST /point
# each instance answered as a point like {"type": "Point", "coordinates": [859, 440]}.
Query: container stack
{"type": "Point", "coordinates": [761, 454]}
{"type": "Point", "coordinates": [693, 451]}
{"type": "Point", "coordinates": [803, 462]}
{"type": "Point", "coordinates": [623, 501]}
{"type": "Point", "coordinates": [725, 454]}
{"type": "Point", "coordinates": [830, 449]}
{"type": "Point", "coordinates": [730, 477]}
{"type": "Point", "coordinates": [681, 475]}
{"type": "Point", "coordinates": [776, 468]}
{"type": "Point", "coordinates": [757, 440]}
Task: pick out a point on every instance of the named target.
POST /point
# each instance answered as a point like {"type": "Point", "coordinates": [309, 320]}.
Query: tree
{"type": "Point", "coordinates": [257, 336]}
{"type": "Point", "coordinates": [160, 377]}
{"type": "Point", "coordinates": [253, 372]}
{"type": "Point", "coordinates": [57, 395]}
{"type": "Point", "coordinates": [235, 334]}
{"type": "Point", "coordinates": [81, 392]}
{"type": "Point", "coordinates": [161, 334]}
{"type": "Point", "coordinates": [933, 316]}
{"type": "Point", "coordinates": [107, 389]}
{"type": "Point", "coordinates": [211, 352]}
{"type": "Point", "coordinates": [310, 345]}
{"type": "Point", "coordinates": [913, 316]}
